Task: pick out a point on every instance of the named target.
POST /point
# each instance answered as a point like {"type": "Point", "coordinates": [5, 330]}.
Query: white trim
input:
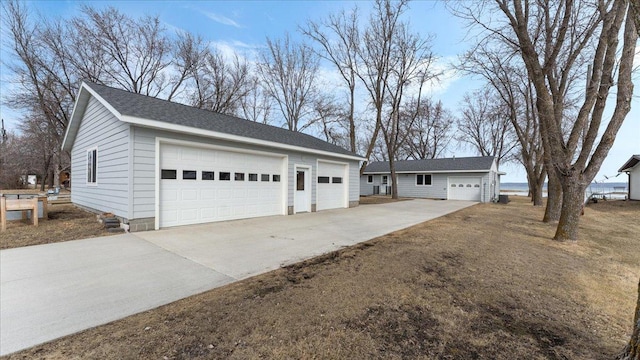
{"type": "Point", "coordinates": [308, 171]}
{"type": "Point", "coordinates": [224, 136]}
{"type": "Point", "coordinates": [426, 172]}
{"type": "Point", "coordinates": [163, 140]}
{"type": "Point", "coordinates": [370, 182]}
{"type": "Point", "coordinates": [415, 183]}
{"type": "Point", "coordinates": [345, 179]}
{"type": "Point", "coordinates": [94, 163]}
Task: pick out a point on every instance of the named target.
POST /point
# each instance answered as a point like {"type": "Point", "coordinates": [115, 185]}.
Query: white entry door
{"type": "Point", "coordinates": [465, 188]}
{"type": "Point", "coordinates": [332, 186]}
{"type": "Point", "coordinates": [200, 184]}
{"type": "Point", "coordinates": [302, 196]}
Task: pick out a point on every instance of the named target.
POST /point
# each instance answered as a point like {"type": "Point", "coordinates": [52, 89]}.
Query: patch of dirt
{"type": "Point", "coordinates": [486, 282]}
{"type": "Point", "coordinates": [65, 222]}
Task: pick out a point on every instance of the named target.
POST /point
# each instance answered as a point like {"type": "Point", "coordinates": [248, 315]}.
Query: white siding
{"type": "Point", "coordinates": [634, 183]}
{"type": "Point", "coordinates": [437, 190]}
{"type": "Point", "coordinates": [144, 140]}
{"type": "Point", "coordinates": [100, 129]}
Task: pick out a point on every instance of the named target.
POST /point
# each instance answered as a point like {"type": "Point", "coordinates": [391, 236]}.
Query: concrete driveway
{"type": "Point", "coordinates": [49, 291]}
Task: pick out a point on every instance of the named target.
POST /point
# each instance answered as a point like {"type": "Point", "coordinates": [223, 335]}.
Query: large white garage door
{"type": "Point", "coordinates": [332, 186]}
{"type": "Point", "coordinates": [199, 185]}
{"type": "Point", "coordinates": [465, 188]}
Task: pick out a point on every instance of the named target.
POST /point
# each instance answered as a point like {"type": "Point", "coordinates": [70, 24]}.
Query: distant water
{"type": "Point", "coordinates": [610, 189]}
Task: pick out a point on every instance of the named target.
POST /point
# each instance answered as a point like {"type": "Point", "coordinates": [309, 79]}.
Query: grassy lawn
{"type": "Point", "coordinates": [65, 222]}
{"type": "Point", "coordinates": [483, 283]}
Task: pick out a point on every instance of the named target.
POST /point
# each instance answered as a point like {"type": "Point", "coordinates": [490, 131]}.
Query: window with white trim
{"type": "Point", "coordinates": [92, 166]}
{"type": "Point", "coordinates": [423, 179]}
{"type": "Point", "coordinates": [385, 180]}
{"type": "Point", "coordinates": [370, 179]}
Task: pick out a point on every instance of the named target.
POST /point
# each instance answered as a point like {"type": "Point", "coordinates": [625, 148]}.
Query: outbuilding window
{"type": "Point", "coordinates": [92, 166]}
{"type": "Point", "coordinates": [423, 179]}
{"type": "Point", "coordinates": [370, 179]}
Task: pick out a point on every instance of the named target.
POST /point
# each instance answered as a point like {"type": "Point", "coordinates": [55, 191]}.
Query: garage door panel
{"type": "Point", "coordinates": [465, 188]}
{"type": "Point", "coordinates": [195, 201]}
{"type": "Point", "coordinates": [331, 195]}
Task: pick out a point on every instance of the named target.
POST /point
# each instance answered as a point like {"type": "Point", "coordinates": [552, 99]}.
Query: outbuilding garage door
{"type": "Point", "coordinates": [199, 185]}
{"type": "Point", "coordinates": [465, 188]}
{"type": "Point", "coordinates": [332, 186]}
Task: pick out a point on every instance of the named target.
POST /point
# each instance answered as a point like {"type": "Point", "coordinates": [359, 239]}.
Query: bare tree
{"type": "Point", "coordinates": [45, 89]}
{"type": "Point", "coordinates": [288, 72]}
{"type": "Point", "coordinates": [431, 132]}
{"type": "Point", "coordinates": [39, 148]}
{"type": "Point", "coordinates": [338, 38]}
{"type": "Point", "coordinates": [136, 54]}
{"type": "Point", "coordinates": [572, 27]}
{"type": "Point", "coordinates": [374, 59]}
{"type": "Point", "coordinates": [496, 62]}
{"type": "Point", "coordinates": [221, 84]}
{"type": "Point", "coordinates": [632, 350]}
{"type": "Point", "coordinates": [484, 124]}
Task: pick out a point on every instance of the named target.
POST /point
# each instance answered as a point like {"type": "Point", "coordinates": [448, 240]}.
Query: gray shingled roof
{"type": "Point", "coordinates": [632, 162]}
{"type": "Point", "coordinates": [141, 106]}
{"type": "Point", "coordinates": [480, 163]}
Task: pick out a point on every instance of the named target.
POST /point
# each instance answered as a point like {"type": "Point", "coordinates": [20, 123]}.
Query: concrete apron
{"type": "Point", "coordinates": [49, 291]}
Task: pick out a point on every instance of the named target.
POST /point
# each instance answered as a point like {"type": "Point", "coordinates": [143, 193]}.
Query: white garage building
{"type": "Point", "coordinates": [467, 178]}
{"type": "Point", "coordinates": [632, 168]}
{"type": "Point", "coordinates": [155, 163]}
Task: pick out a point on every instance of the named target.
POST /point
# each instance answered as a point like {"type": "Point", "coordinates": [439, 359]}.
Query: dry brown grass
{"type": "Point", "coordinates": [65, 222]}
{"type": "Point", "coordinates": [378, 199]}
{"type": "Point", "coordinates": [483, 283]}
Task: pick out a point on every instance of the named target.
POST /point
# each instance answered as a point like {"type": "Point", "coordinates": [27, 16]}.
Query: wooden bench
{"type": "Point", "coordinates": [23, 205]}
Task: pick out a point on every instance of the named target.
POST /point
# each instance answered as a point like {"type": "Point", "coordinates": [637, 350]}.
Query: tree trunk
{"type": "Point", "coordinates": [632, 350]}
{"type": "Point", "coordinates": [394, 183]}
{"type": "Point", "coordinates": [572, 205]}
{"type": "Point", "coordinates": [536, 193]}
{"type": "Point", "coordinates": [554, 198]}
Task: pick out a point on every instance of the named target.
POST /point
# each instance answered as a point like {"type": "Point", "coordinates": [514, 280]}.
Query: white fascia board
{"type": "Point", "coordinates": [81, 102]}
{"type": "Point", "coordinates": [224, 136]}
{"type": "Point", "coordinates": [425, 172]}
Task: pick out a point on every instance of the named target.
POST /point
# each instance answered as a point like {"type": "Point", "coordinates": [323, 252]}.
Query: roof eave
{"type": "Point", "coordinates": [149, 123]}
{"type": "Point", "coordinates": [427, 171]}
{"type": "Point", "coordinates": [630, 164]}
{"type": "Point", "coordinates": [84, 94]}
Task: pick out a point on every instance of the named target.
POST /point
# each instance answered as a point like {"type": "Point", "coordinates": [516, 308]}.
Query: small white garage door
{"type": "Point", "coordinates": [332, 186]}
{"type": "Point", "coordinates": [465, 188]}
{"type": "Point", "coordinates": [199, 185]}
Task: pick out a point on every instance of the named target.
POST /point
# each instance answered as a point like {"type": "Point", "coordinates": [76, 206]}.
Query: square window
{"type": "Point", "coordinates": [427, 179]}
{"type": "Point", "coordinates": [253, 177]}
{"type": "Point", "coordinates": [323, 179]}
{"type": "Point", "coordinates": [168, 174]}
{"type": "Point", "coordinates": [189, 174]}
{"type": "Point", "coordinates": [264, 177]}
{"type": "Point", "coordinates": [336, 180]}
{"type": "Point", "coordinates": [225, 176]}
{"type": "Point", "coordinates": [239, 176]}
{"type": "Point", "coordinates": [276, 178]}
{"type": "Point", "coordinates": [208, 175]}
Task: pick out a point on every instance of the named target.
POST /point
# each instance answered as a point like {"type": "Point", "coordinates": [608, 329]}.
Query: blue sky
{"type": "Point", "coordinates": [242, 26]}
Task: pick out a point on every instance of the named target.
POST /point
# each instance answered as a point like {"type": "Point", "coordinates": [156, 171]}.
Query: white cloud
{"type": "Point", "coordinates": [221, 19]}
